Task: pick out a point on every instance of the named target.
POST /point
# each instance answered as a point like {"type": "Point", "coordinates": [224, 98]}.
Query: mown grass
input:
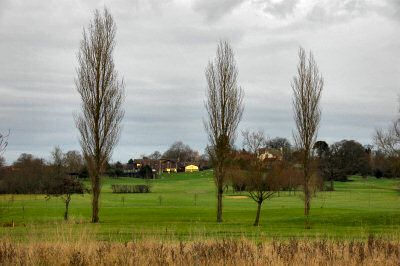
{"type": "Point", "coordinates": [188, 212]}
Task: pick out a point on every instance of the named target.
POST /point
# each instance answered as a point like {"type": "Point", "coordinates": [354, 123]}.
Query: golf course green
{"type": "Point", "coordinates": [182, 206]}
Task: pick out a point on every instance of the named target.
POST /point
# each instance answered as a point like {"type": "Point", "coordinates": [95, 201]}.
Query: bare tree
{"type": "Point", "coordinates": [3, 145]}
{"type": "Point", "coordinates": [260, 176]}
{"type": "Point", "coordinates": [156, 155]}
{"type": "Point", "coordinates": [307, 87]}
{"type": "Point", "coordinates": [3, 142]}
{"type": "Point", "coordinates": [224, 105]}
{"type": "Point", "coordinates": [64, 188]}
{"type": "Point", "coordinates": [386, 160]}
{"type": "Point", "coordinates": [73, 161]}
{"type": "Point", "coordinates": [102, 95]}
{"type": "Point", "coordinates": [178, 151]}
{"type": "Point", "coordinates": [388, 140]}
{"type": "Point", "coordinates": [253, 141]}
{"type": "Point", "coordinates": [57, 163]}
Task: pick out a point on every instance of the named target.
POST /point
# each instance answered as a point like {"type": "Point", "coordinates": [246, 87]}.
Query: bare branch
{"type": "Point", "coordinates": [3, 142]}
{"type": "Point", "coordinates": [253, 141]}
{"type": "Point", "coordinates": [388, 140]}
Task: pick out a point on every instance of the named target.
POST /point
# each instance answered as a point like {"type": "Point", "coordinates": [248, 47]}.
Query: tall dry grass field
{"type": "Point", "coordinates": [202, 252]}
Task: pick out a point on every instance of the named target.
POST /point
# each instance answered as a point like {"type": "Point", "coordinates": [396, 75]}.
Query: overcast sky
{"type": "Point", "coordinates": [162, 50]}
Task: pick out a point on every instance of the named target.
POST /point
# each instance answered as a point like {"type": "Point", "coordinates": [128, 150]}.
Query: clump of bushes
{"type": "Point", "coordinates": [238, 187]}
{"type": "Point", "coordinates": [121, 188]}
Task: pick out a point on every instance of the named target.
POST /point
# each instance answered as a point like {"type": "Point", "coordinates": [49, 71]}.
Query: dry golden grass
{"type": "Point", "coordinates": [225, 252]}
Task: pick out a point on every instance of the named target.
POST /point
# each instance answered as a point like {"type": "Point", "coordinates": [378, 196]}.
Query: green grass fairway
{"type": "Point", "coordinates": [354, 210]}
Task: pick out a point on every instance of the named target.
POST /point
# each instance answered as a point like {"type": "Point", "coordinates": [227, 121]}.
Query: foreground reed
{"type": "Point", "coordinates": [224, 252]}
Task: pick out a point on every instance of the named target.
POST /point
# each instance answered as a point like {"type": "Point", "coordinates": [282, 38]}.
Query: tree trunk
{"type": "Point", "coordinates": [332, 185]}
{"type": "Point", "coordinates": [308, 215]}
{"type": "Point", "coordinates": [66, 207]}
{"type": "Point", "coordinates": [307, 192]}
{"type": "Point", "coordinates": [219, 207]}
{"type": "Point", "coordinates": [95, 199]}
{"type": "Point", "coordinates": [307, 207]}
{"type": "Point", "coordinates": [258, 214]}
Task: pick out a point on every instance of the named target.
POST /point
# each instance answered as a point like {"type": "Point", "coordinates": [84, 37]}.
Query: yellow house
{"type": "Point", "coordinates": [169, 170]}
{"type": "Point", "coordinates": [191, 168]}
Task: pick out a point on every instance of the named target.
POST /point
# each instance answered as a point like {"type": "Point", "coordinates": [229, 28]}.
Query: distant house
{"type": "Point", "coordinates": [159, 166]}
{"type": "Point", "coordinates": [191, 168]}
{"type": "Point", "coordinates": [243, 155]}
{"type": "Point", "coordinates": [270, 154]}
{"type": "Point", "coordinates": [169, 166]}
{"type": "Point", "coordinates": [154, 164]}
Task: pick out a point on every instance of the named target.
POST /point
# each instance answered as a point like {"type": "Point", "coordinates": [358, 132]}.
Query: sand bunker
{"type": "Point", "coordinates": [237, 197]}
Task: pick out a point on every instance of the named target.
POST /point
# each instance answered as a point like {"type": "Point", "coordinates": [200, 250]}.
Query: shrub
{"type": "Point", "coordinates": [123, 188]}
{"type": "Point", "coordinates": [378, 173]}
{"type": "Point", "coordinates": [238, 187]}
{"type": "Point", "coordinates": [145, 172]}
{"type": "Point", "coordinates": [83, 172]}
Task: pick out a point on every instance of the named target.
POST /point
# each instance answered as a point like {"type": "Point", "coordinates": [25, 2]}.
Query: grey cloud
{"type": "Point", "coordinates": [396, 7]}
{"type": "Point", "coordinates": [3, 6]}
{"type": "Point", "coordinates": [341, 11]}
{"type": "Point", "coordinates": [162, 51]}
{"type": "Point", "coordinates": [390, 9]}
{"type": "Point", "coordinates": [337, 10]}
{"type": "Point", "coordinates": [215, 10]}
{"type": "Point", "coordinates": [335, 127]}
{"type": "Point", "coordinates": [328, 11]}
{"type": "Point", "coordinates": [318, 13]}
{"type": "Point", "coordinates": [277, 9]}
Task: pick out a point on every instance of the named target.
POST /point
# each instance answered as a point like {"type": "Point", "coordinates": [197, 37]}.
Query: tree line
{"type": "Point", "coordinates": [32, 175]}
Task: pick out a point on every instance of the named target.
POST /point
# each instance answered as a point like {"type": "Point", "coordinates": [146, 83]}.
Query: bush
{"type": "Point", "coordinates": [83, 172]}
{"type": "Point", "coordinates": [238, 187]}
{"type": "Point", "coordinates": [118, 188]}
{"type": "Point", "coordinates": [378, 173]}
{"type": "Point", "coordinates": [205, 167]}
{"type": "Point", "coordinates": [145, 172]}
